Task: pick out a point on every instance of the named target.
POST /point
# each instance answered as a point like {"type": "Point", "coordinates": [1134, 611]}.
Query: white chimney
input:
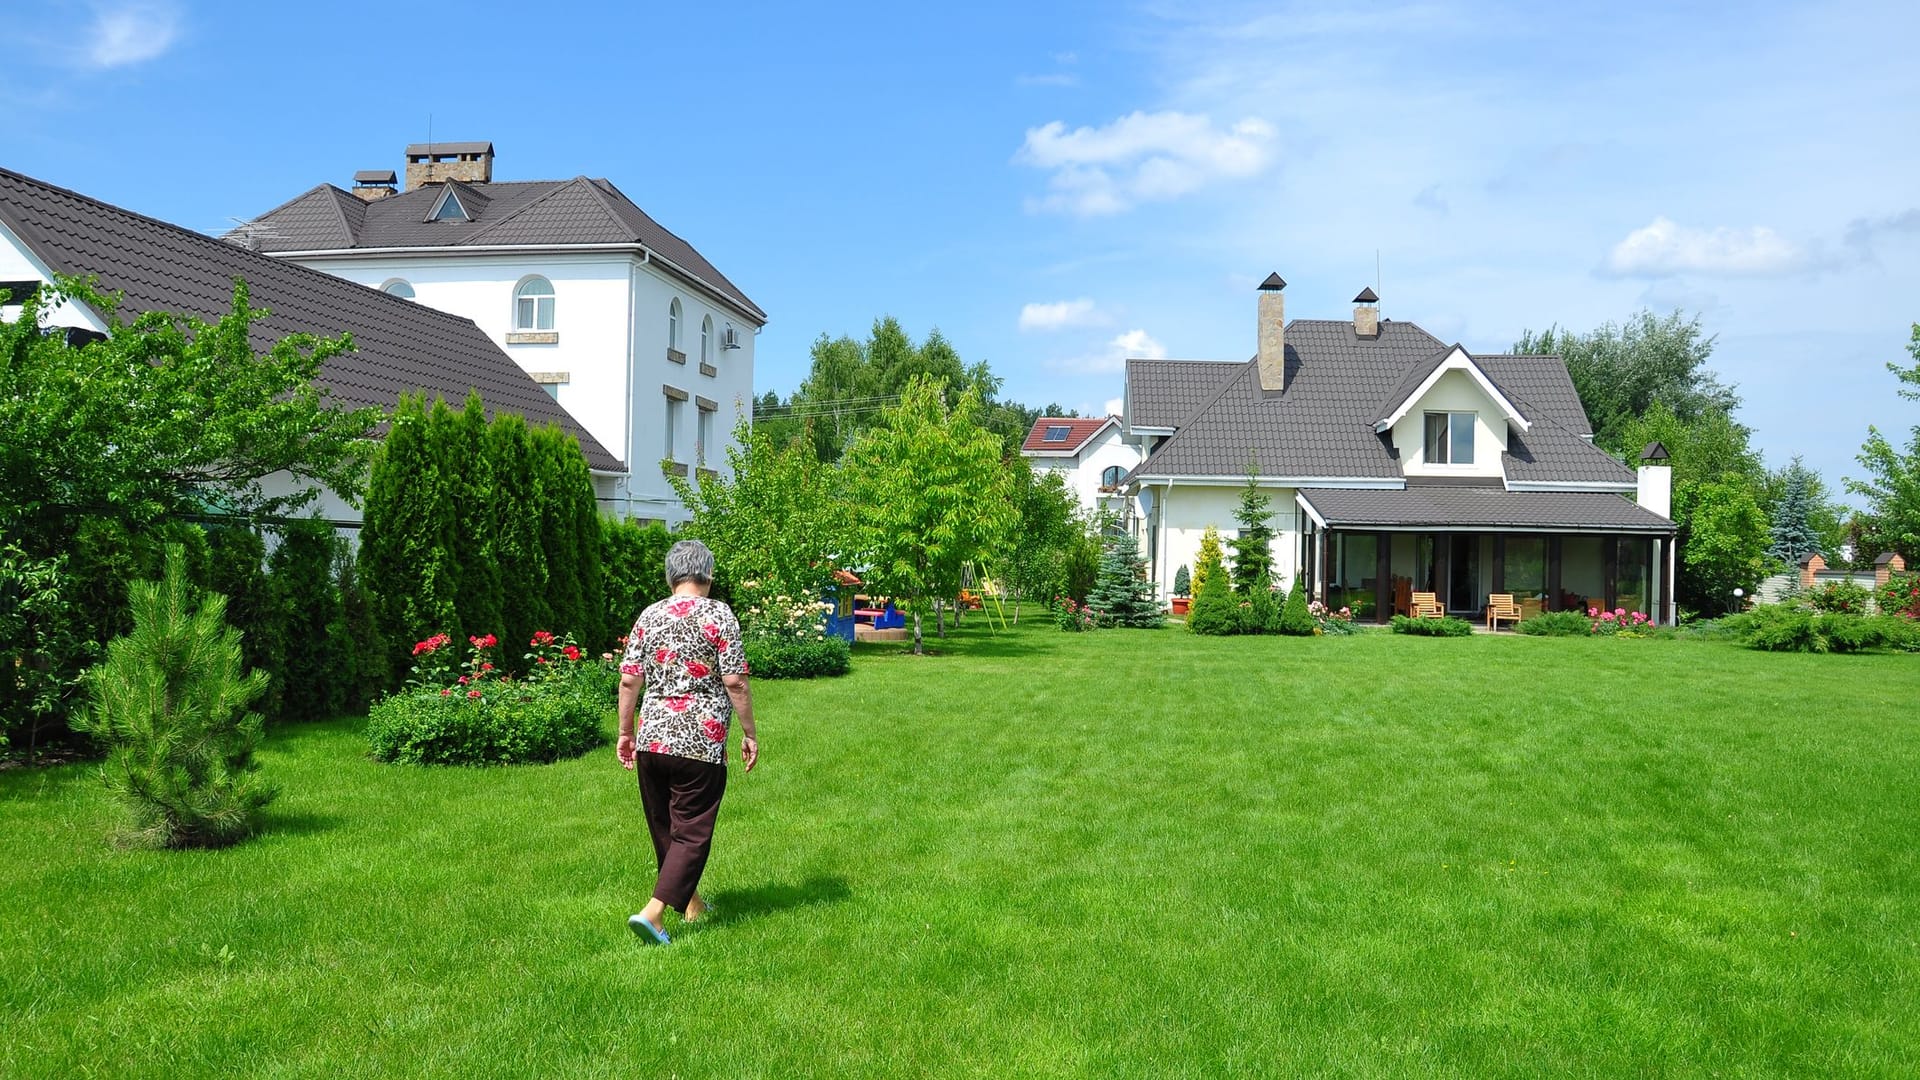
{"type": "Point", "coordinates": [1656, 481]}
{"type": "Point", "coordinates": [1273, 334]}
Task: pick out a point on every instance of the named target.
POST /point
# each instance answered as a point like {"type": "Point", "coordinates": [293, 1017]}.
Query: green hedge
{"type": "Point", "coordinates": [800, 660]}
{"type": "Point", "coordinates": [502, 727]}
{"type": "Point", "coordinates": [1791, 628]}
{"type": "Point", "coordinates": [1556, 624]}
{"type": "Point", "coordinates": [1447, 627]}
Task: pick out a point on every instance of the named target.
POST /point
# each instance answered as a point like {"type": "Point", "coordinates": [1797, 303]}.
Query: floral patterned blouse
{"type": "Point", "coordinates": [681, 646]}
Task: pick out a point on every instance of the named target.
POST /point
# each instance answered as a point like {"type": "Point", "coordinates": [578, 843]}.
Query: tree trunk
{"type": "Point", "coordinates": [939, 620]}
{"type": "Point", "coordinates": [916, 632]}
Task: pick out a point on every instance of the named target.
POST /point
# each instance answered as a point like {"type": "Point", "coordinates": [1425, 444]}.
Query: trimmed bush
{"type": "Point", "coordinates": [432, 727]}
{"type": "Point", "coordinates": [1790, 628]}
{"type": "Point", "coordinates": [801, 660]}
{"type": "Point", "coordinates": [632, 570]}
{"type": "Point", "coordinates": [1447, 627]}
{"type": "Point", "coordinates": [1182, 581]}
{"type": "Point", "coordinates": [1556, 624]}
{"type": "Point", "coordinates": [1216, 611]}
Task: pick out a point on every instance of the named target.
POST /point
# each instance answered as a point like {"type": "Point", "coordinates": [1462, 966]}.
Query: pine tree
{"type": "Point", "coordinates": [1122, 595]}
{"type": "Point", "coordinates": [1253, 547]}
{"type": "Point", "coordinates": [1794, 533]}
{"type": "Point", "coordinates": [1210, 558]}
{"type": "Point", "coordinates": [171, 706]}
{"type": "Point", "coordinates": [1295, 619]}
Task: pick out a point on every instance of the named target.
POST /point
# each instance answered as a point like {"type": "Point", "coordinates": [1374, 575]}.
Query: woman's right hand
{"type": "Point", "coordinates": [624, 750]}
{"type": "Point", "coordinates": [749, 751]}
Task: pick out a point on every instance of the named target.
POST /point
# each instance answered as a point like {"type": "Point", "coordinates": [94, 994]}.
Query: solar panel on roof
{"type": "Point", "coordinates": [1057, 433]}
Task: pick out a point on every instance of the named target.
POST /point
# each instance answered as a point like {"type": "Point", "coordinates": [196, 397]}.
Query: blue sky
{"type": "Point", "coordinates": [1056, 186]}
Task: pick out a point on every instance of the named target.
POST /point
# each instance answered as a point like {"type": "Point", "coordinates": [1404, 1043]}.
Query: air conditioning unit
{"type": "Point", "coordinates": [729, 338]}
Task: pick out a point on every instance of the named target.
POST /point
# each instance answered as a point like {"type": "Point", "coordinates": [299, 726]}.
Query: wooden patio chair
{"type": "Point", "coordinates": [1501, 606]}
{"type": "Point", "coordinates": [1427, 605]}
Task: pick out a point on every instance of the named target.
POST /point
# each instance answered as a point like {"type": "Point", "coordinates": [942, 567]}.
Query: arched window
{"type": "Point", "coordinates": [533, 305]}
{"type": "Point", "coordinates": [673, 324]}
{"type": "Point", "coordinates": [706, 340]}
{"type": "Point", "coordinates": [1110, 476]}
{"type": "Point", "coordinates": [398, 287]}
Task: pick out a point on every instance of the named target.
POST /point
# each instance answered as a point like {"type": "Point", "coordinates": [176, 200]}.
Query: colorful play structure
{"type": "Point", "coordinates": [854, 616]}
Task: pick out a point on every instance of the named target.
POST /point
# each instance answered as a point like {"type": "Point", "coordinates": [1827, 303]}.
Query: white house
{"type": "Point", "coordinates": [1394, 463]}
{"type": "Point", "coordinates": [1090, 454]}
{"type": "Point", "coordinates": [624, 323]}
{"type": "Point", "coordinates": [399, 347]}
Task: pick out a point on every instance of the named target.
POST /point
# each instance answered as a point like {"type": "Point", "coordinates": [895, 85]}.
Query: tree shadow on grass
{"type": "Point", "coordinates": [740, 905]}
{"type": "Point", "coordinates": [297, 822]}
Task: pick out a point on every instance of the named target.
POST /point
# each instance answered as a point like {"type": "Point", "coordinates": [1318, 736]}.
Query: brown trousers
{"type": "Point", "coordinates": [681, 798]}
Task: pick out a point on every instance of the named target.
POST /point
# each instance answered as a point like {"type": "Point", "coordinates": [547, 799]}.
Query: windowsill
{"type": "Point", "coordinates": [708, 369]}
{"type": "Point", "coordinates": [675, 356]}
{"type": "Point", "coordinates": [673, 468]}
{"type": "Point", "coordinates": [533, 337]}
{"type": "Point", "coordinates": [708, 474]}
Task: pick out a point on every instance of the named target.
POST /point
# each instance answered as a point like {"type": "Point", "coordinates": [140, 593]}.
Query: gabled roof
{"type": "Point", "coordinates": [1079, 432]}
{"type": "Point", "coordinates": [1323, 427]}
{"type": "Point", "coordinates": [399, 346]}
{"type": "Point", "coordinates": [520, 213]}
{"type": "Point", "coordinates": [1421, 377]}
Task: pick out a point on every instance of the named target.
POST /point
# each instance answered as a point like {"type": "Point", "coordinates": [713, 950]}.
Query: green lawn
{"type": "Point", "coordinates": [1131, 853]}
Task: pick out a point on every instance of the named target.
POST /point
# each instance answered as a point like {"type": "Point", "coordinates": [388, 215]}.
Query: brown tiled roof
{"type": "Point", "coordinates": [1079, 430]}
{"type": "Point", "coordinates": [399, 346]}
{"type": "Point", "coordinates": [516, 213]}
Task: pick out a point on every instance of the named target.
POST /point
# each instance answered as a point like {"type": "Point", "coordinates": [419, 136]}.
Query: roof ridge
{"type": "Point", "coordinates": [340, 211]}
{"type": "Point", "coordinates": [558, 187]}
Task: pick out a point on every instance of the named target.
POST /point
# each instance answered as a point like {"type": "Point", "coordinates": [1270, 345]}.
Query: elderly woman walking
{"type": "Point", "coordinates": [686, 671]}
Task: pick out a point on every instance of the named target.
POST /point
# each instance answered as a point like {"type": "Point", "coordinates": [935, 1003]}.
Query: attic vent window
{"type": "Point", "coordinates": [449, 209]}
{"type": "Point", "coordinates": [1057, 433]}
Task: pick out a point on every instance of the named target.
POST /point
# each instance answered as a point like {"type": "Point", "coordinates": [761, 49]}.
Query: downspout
{"type": "Point", "coordinates": [633, 384]}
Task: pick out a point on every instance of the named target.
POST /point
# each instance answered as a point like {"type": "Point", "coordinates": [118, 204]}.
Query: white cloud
{"type": "Point", "coordinates": [1062, 314]}
{"type": "Point", "coordinates": [1141, 157]}
{"type": "Point", "coordinates": [129, 33]}
{"type": "Point", "coordinates": [1114, 405]}
{"type": "Point", "coordinates": [1666, 248]}
{"type": "Point", "coordinates": [1114, 355]}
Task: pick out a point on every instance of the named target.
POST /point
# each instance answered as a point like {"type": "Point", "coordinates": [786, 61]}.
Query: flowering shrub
{"type": "Point", "coordinates": [1841, 596]}
{"type": "Point", "coordinates": [455, 712]}
{"type": "Point", "coordinates": [1900, 596]}
{"type": "Point", "coordinates": [1327, 621]}
{"type": "Point", "coordinates": [1073, 617]}
{"type": "Point", "coordinates": [1617, 621]}
{"type": "Point", "coordinates": [785, 637]}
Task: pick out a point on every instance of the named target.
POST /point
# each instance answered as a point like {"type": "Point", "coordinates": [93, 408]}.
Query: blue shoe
{"type": "Point", "coordinates": [646, 931]}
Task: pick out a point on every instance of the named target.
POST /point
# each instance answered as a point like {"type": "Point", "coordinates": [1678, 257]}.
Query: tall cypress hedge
{"type": "Point", "coordinates": [463, 448]}
{"type": "Point", "coordinates": [408, 544]}
{"type": "Point", "coordinates": [316, 671]}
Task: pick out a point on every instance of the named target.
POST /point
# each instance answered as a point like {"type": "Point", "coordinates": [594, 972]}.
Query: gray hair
{"type": "Point", "coordinates": [689, 560]}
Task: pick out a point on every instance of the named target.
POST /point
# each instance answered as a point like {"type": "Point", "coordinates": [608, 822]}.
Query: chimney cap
{"type": "Point", "coordinates": [1366, 297]}
{"type": "Point", "coordinates": [1655, 452]}
{"type": "Point", "coordinates": [1274, 283]}
{"type": "Point", "coordinates": [437, 150]}
{"type": "Point", "coordinates": [375, 176]}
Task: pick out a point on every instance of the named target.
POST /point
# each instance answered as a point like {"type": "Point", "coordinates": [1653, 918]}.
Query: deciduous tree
{"type": "Point", "coordinates": [1892, 484]}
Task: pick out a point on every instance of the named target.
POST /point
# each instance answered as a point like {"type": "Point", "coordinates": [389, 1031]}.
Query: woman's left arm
{"type": "Point", "coordinates": [630, 685]}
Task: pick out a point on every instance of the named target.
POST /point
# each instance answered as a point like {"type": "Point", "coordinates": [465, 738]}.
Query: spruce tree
{"type": "Point", "coordinates": [1182, 581]}
{"type": "Point", "coordinates": [1295, 619]}
{"type": "Point", "coordinates": [1253, 547]}
{"type": "Point", "coordinates": [1794, 534]}
{"type": "Point", "coordinates": [171, 706]}
{"type": "Point", "coordinates": [1122, 595]}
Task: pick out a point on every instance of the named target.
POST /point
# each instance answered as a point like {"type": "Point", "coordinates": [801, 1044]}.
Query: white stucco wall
{"type": "Point", "coordinates": [1454, 391]}
{"type": "Point", "coordinates": [611, 321]}
{"type": "Point", "coordinates": [1186, 511]}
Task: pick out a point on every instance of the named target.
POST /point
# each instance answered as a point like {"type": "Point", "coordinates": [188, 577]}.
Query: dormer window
{"type": "Point", "coordinates": [449, 208]}
{"type": "Point", "coordinates": [1057, 433]}
{"type": "Point", "coordinates": [1450, 438]}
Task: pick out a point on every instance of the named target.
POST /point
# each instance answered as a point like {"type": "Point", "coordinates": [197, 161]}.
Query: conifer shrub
{"type": "Point", "coordinates": [1211, 558]}
{"type": "Point", "coordinates": [1295, 618]}
{"type": "Point", "coordinates": [1216, 611]}
{"type": "Point", "coordinates": [1261, 615]}
{"type": "Point", "coordinates": [1556, 624]}
{"type": "Point", "coordinates": [172, 708]}
{"type": "Point", "coordinates": [316, 665]}
{"type": "Point", "coordinates": [1182, 582]}
{"type": "Point", "coordinates": [633, 561]}
{"type": "Point", "coordinates": [820, 658]}
{"type": "Point", "coordinates": [1793, 628]}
